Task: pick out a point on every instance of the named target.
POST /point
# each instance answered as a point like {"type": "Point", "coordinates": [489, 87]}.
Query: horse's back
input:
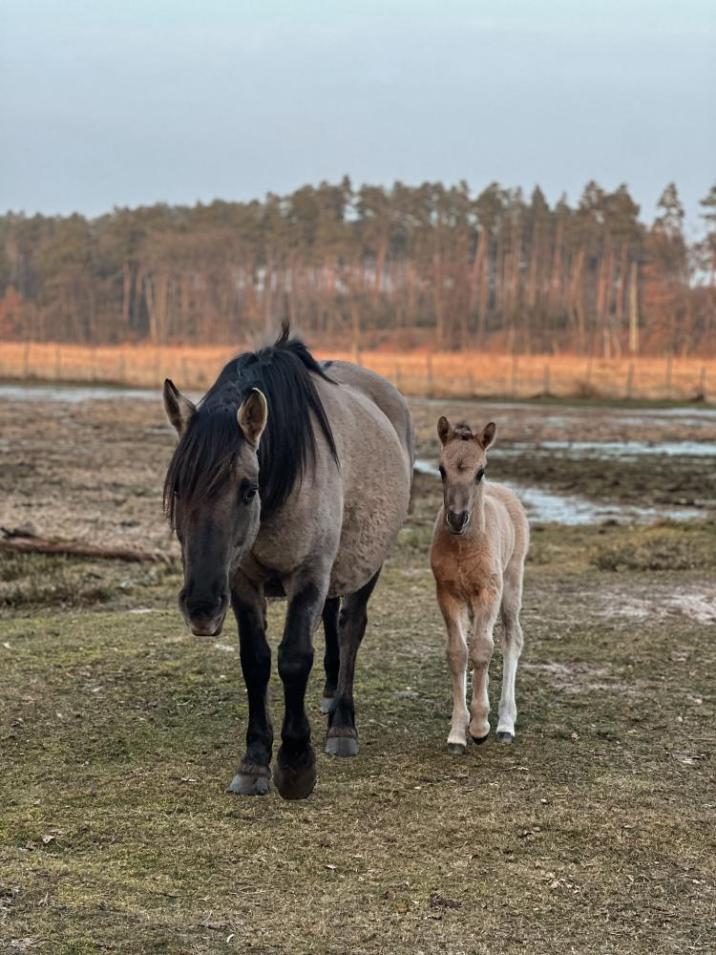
{"type": "Point", "coordinates": [385, 395]}
{"type": "Point", "coordinates": [373, 432]}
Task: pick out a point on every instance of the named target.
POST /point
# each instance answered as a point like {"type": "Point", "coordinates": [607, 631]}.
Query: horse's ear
{"type": "Point", "coordinates": [178, 408]}
{"type": "Point", "coordinates": [445, 429]}
{"type": "Point", "coordinates": [488, 435]}
{"type": "Point", "coordinates": [252, 416]}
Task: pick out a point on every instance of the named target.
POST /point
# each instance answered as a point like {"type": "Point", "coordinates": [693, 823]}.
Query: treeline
{"type": "Point", "coordinates": [370, 266]}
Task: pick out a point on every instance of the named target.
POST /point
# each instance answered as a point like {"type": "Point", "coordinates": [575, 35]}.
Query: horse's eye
{"type": "Point", "coordinates": [441, 469]}
{"type": "Point", "coordinates": [248, 493]}
{"type": "Point", "coordinates": [480, 475]}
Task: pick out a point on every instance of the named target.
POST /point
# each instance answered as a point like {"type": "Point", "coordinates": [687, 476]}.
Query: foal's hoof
{"type": "Point", "coordinates": [457, 749]}
{"type": "Point", "coordinates": [479, 739]}
{"type": "Point", "coordinates": [295, 777]}
{"type": "Point", "coordinates": [326, 704]}
{"type": "Point", "coordinates": [341, 745]}
{"type": "Point", "coordinates": [504, 736]}
{"type": "Point", "coordinates": [250, 784]}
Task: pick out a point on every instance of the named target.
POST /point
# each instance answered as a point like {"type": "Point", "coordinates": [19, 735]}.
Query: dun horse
{"type": "Point", "coordinates": [478, 554]}
{"type": "Point", "coordinates": [290, 479]}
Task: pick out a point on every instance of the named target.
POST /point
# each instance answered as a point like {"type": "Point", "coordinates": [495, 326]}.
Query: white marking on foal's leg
{"type": "Point", "coordinates": [511, 650]}
{"type": "Point", "coordinates": [481, 649]}
{"type": "Point", "coordinates": [456, 651]}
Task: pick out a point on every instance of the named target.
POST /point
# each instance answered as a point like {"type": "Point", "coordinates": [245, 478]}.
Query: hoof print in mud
{"type": "Point", "coordinates": [295, 777]}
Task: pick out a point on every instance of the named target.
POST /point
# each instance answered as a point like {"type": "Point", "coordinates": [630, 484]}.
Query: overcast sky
{"type": "Point", "coordinates": [128, 102]}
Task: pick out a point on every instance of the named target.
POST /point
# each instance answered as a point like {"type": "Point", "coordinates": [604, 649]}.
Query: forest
{"type": "Point", "coordinates": [368, 266]}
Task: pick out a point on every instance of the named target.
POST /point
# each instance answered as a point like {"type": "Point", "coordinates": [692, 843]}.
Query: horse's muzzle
{"type": "Point", "coordinates": [204, 618]}
{"type": "Point", "coordinates": [457, 521]}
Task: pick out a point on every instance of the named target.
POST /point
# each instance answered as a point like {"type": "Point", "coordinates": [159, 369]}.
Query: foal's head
{"type": "Point", "coordinates": [462, 467]}
{"type": "Point", "coordinates": [211, 495]}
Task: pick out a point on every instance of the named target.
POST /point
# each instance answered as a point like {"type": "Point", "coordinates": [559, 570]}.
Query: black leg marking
{"type": "Point", "coordinates": [253, 776]}
{"type": "Point", "coordinates": [295, 773]}
{"type": "Point", "coordinates": [331, 658]}
{"type": "Point", "coordinates": [342, 738]}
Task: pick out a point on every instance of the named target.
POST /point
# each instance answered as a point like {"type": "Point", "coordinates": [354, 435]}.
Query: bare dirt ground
{"type": "Point", "coordinates": [119, 731]}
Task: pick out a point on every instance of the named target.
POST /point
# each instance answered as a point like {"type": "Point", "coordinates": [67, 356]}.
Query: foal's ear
{"type": "Point", "coordinates": [488, 435]}
{"type": "Point", "coordinates": [445, 429]}
{"type": "Point", "coordinates": [252, 416]}
{"type": "Point", "coordinates": [178, 408]}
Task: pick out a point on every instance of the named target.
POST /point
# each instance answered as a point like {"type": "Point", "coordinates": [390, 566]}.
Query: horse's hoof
{"type": "Point", "coordinates": [248, 784]}
{"type": "Point", "coordinates": [326, 704]}
{"type": "Point", "coordinates": [504, 736]}
{"type": "Point", "coordinates": [342, 746]}
{"type": "Point", "coordinates": [479, 739]}
{"type": "Point", "coordinates": [457, 749]}
{"type": "Point", "coordinates": [295, 779]}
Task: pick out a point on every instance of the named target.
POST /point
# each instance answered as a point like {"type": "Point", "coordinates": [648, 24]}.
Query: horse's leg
{"type": "Point", "coordinates": [331, 659]}
{"type": "Point", "coordinates": [482, 645]}
{"type": "Point", "coordinates": [253, 775]}
{"type": "Point", "coordinates": [295, 772]}
{"type": "Point", "coordinates": [454, 615]}
{"type": "Point", "coordinates": [342, 737]}
{"type": "Point", "coordinates": [511, 650]}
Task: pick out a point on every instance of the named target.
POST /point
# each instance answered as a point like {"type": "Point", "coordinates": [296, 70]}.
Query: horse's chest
{"type": "Point", "coordinates": [465, 572]}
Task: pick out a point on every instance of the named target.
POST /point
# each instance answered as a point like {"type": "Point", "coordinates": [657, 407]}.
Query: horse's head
{"type": "Point", "coordinates": [463, 460]}
{"type": "Point", "coordinates": [211, 497]}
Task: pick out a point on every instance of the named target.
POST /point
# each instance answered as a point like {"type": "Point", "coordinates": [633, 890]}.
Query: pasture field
{"type": "Point", "coordinates": [594, 832]}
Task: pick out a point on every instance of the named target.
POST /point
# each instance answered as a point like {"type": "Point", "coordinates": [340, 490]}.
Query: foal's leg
{"type": "Point", "coordinates": [342, 737]}
{"type": "Point", "coordinates": [252, 777]}
{"type": "Point", "coordinates": [454, 614]}
{"type": "Point", "coordinates": [331, 659]}
{"type": "Point", "coordinates": [295, 772]}
{"type": "Point", "coordinates": [485, 611]}
{"type": "Point", "coordinates": [511, 650]}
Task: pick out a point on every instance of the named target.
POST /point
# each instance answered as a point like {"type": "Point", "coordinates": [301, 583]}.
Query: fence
{"type": "Point", "coordinates": [436, 374]}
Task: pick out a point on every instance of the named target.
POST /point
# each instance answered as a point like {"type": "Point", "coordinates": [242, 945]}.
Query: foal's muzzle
{"type": "Point", "coordinates": [457, 521]}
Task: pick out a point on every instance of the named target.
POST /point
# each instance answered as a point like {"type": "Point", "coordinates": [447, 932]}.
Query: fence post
{"type": "Point", "coordinates": [429, 366]}
{"type": "Point", "coordinates": [513, 376]}
{"type": "Point", "coordinates": [668, 378]}
{"type": "Point", "coordinates": [58, 362]}
{"type": "Point", "coordinates": [702, 383]}
{"type": "Point", "coordinates": [545, 383]}
{"type": "Point", "coordinates": [397, 375]}
{"type": "Point", "coordinates": [630, 381]}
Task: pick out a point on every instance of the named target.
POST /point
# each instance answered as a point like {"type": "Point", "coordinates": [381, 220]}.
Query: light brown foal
{"type": "Point", "coordinates": [478, 555]}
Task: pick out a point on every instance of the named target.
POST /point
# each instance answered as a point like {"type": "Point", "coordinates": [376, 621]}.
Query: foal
{"type": "Point", "coordinates": [478, 555]}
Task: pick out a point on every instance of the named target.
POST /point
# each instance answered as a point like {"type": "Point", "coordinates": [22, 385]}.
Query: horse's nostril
{"type": "Point", "coordinates": [457, 519]}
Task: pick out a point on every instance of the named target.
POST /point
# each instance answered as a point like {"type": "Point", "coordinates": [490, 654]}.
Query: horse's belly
{"type": "Point", "coordinates": [369, 529]}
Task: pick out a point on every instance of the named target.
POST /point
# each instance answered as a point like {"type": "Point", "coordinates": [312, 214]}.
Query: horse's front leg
{"type": "Point", "coordinates": [295, 772]}
{"type": "Point", "coordinates": [253, 775]}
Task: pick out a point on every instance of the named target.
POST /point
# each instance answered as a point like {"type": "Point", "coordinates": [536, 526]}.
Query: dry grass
{"type": "Point", "coordinates": [416, 373]}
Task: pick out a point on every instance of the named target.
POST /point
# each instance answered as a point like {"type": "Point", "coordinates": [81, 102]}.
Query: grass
{"type": "Point", "coordinates": [418, 373]}
{"type": "Point", "coordinates": [594, 832]}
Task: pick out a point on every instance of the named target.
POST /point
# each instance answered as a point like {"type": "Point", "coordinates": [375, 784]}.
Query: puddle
{"type": "Point", "coordinates": [618, 449]}
{"type": "Point", "coordinates": [696, 606]}
{"type": "Point", "coordinates": [74, 394]}
{"type": "Point", "coordinates": [549, 507]}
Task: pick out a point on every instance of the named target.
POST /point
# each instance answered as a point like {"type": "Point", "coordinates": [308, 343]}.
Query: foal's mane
{"type": "Point", "coordinates": [207, 449]}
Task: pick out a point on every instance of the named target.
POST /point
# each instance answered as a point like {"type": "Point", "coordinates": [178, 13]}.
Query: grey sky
{"type": "Point", "coordinates": [119, 102]}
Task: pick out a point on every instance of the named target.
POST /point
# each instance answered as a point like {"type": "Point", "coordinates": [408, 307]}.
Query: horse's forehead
{"type": "Point", "coordinates": [462, 455]}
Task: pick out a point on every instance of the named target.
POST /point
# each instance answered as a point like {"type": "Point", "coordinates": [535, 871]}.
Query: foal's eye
{"type": "Point", "coordinates": [248, 493]}
{"type": "Point", "coordinates": [480, 475]}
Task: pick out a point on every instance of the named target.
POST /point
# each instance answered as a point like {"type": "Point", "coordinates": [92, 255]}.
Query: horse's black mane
{"type": "Point", "coordinates": [208, 448]}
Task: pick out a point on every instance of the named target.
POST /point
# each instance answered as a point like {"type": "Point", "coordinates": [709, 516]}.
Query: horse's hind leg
{"type": "Point", "coordinates": [331, 659]}
{"type": "Point", "coordinates": [512, 641]}
{"type": "Point", "coordinates": [342, 738]}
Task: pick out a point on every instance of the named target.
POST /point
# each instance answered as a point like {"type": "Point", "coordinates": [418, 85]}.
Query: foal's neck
{"type": "Point", "coordinates": [478, 511]}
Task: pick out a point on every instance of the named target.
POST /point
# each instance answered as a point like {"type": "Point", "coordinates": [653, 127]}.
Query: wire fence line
{"type": "Point", "coordinates": [427, 374]}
